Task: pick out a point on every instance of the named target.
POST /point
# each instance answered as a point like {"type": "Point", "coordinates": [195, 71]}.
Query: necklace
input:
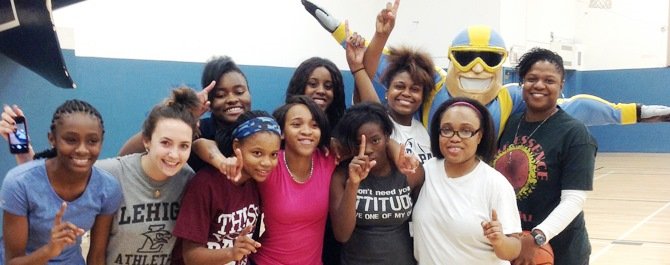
{"type": "Point", "coordinates": [157, 193]}
{"type": "Point", "coordinates": [311, 167]}
{"type": "Point", "coordinates": [509, 154]}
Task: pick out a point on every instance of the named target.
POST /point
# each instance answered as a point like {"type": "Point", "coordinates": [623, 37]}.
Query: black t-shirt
{"type": "Point", "coordinates": [559, 155]}
{"type": "Point", "coordinates": [208, 128]}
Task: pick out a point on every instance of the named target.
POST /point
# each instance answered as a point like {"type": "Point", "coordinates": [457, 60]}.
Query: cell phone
{"type": "Point", "coordinates": [18, 140]}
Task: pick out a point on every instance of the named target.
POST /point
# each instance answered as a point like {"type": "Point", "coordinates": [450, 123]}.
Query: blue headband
{"type": "Point", "coordinates": [255, 125]}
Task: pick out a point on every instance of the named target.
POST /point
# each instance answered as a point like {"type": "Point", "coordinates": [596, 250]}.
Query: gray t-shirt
{"type": "Point", "coordinates": [142, 228]}
{"type": "Point", "coordinates": [381, 235]}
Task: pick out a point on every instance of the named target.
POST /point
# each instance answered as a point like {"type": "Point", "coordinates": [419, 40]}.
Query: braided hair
{"type": "Point", "coordinates": [69, 107]}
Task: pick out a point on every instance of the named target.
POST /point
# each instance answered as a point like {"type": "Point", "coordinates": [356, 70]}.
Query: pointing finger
{"type": "Point", "coordinates": [60, 213]}
{"type": "Point", "coordinates": [494, 215]}
{"type": "Point", "coordinates": [346, 28]}
{"type": "Point", "coordinates": [238, 155]}
{"type": "Point", "coordinates": [401, 153]}
{"type": "Point", "coordinates": [209, 87]}
{"type": "Point", "coordinates": [361, 149]}
{"type": "Point", "coordinates": [246, 230]}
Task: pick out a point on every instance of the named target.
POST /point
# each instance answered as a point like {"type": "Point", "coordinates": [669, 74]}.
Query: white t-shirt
{"type": "Point", "coordinates": [415, 137]}
{"type": "Point", "coordinates": [448, 214]}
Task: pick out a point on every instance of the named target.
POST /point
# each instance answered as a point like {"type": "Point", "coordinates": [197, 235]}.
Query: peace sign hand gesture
{"type": "Point", "coordinates": [386, 18]}
{"type": "Point", "coordinates": [63, 234]}
{"type": "Point", "coordinates": [360, 165]}
{"type": "Point", "coordinates": [204, 102]}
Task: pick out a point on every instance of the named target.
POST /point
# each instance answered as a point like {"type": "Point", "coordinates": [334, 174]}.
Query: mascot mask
{"type": "Point", "coordinates": [475, 70]}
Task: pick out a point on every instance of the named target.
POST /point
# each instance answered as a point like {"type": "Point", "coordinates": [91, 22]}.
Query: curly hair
{"type": "Point", "coordinates": [416, 63]}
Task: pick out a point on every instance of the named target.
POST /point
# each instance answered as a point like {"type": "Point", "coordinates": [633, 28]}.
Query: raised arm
{"type": "Point", "coordinates": [343, 193]}
{"type": "Point", "coordinates": [15, 231]}
{"type": "Point", "coordinates": [383, 26]}
{"type": "Point", "coordinates": [364, 91]}
{"type": "Point", "coordinates": [408, 164]}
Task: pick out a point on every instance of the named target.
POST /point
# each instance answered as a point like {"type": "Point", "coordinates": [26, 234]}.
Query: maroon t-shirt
{"type": "Point", "coordinates": [214, 211]}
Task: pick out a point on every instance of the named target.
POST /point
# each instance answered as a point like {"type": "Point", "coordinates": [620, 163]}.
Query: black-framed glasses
{"type": "Point", "coordinates": [466, 133]}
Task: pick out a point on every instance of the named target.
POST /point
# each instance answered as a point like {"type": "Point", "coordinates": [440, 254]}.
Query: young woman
{"type": "Point", "coordinates": [407, 76]}
{"type": "Point", "coordinates": [152, 183]}
{"type": "Point", "coordinates": [462, 195]}
{"type": "Point", "coordinates": [295, 195]}
{"type": "Point", "coordinates": [321, 80]}
{"type": "Point", "coordinates": [227, 92]}
{"type": "Point", "coordinates": [48, 204]}
{"type": "Point", "coordinates": [559, 155]}
{"type": "Point", "coordinates": [370, 202]}
{"type": "Point", "coordinates": [218, 215]}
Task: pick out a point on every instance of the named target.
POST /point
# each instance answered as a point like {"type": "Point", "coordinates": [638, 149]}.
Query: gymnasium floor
{"type": "Point", "coordinates": [628, 212]}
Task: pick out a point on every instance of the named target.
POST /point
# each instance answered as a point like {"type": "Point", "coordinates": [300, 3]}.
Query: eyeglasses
{"type": "Point", "coordinates": [464, 58]}
{"type": "Point", "coordinates": [463, 134]}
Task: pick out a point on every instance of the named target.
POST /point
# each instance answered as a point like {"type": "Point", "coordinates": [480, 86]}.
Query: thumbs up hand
{"type": "Point", "coordinates": [493, 229]}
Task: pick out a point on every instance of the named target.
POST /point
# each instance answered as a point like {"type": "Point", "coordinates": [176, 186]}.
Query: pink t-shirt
{"type": "Point", "coordinates": [295, 214]}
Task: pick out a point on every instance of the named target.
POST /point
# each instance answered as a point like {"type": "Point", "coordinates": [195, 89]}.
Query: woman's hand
{"type": "Point", "coordinates": [8, 124]}
{"type": "Point", "coordinates": [232, 166]}
{"type": "Point", "coordinates": [493, 229]}
{"type": "Point", "coordinates": [386, 18]}
{"type": "Point", "coordinates": [355, 49]}
{"type": "Point", "coordinates": [244, 245]}
{"type": "Point", "coordinates": [528, 247]}
{"type": "Point", "coordinates": [204, 103]}
{"type": "Point", "coordinates": [360, 165]}
{"type": "Point", "coordinates": [407, 163]}
{"type": "Point", "coordinates": [63, 234]}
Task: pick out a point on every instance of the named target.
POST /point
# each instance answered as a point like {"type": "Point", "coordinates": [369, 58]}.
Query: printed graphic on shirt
{"type": "Point", "coordinates": [422, 152]}
{"type": "Point", "coordinates": [383, 204]}
{"type": "Point", "coordinates": [523, 164]}
{"type": "Point", "coordinates": [232, 224]}
{"type": "Point", "coordinates": [149, 220]}
{"type": "Point", "coordinates": [156, 238]}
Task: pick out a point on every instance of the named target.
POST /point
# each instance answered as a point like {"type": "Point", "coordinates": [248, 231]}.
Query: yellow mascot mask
{"type": "Point", "coordinates": [475, 70]}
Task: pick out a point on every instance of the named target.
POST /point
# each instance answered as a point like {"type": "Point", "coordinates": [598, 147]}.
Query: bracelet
{"type": "Point", "coordinates": [357, 70]}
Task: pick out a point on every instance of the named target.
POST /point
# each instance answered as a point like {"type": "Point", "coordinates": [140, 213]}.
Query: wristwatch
{"type": "Point", "coordinates": [539, 237]}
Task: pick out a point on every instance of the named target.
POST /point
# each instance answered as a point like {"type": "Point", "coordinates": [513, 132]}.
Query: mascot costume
{"type": "Point", "coordinates": [482, 47]}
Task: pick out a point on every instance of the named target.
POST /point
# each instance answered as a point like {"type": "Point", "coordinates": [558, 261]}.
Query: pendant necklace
{"type": "Point", "coordinates": [509, 154]}
{"type": "Point", "coordinates": [311, 168]}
